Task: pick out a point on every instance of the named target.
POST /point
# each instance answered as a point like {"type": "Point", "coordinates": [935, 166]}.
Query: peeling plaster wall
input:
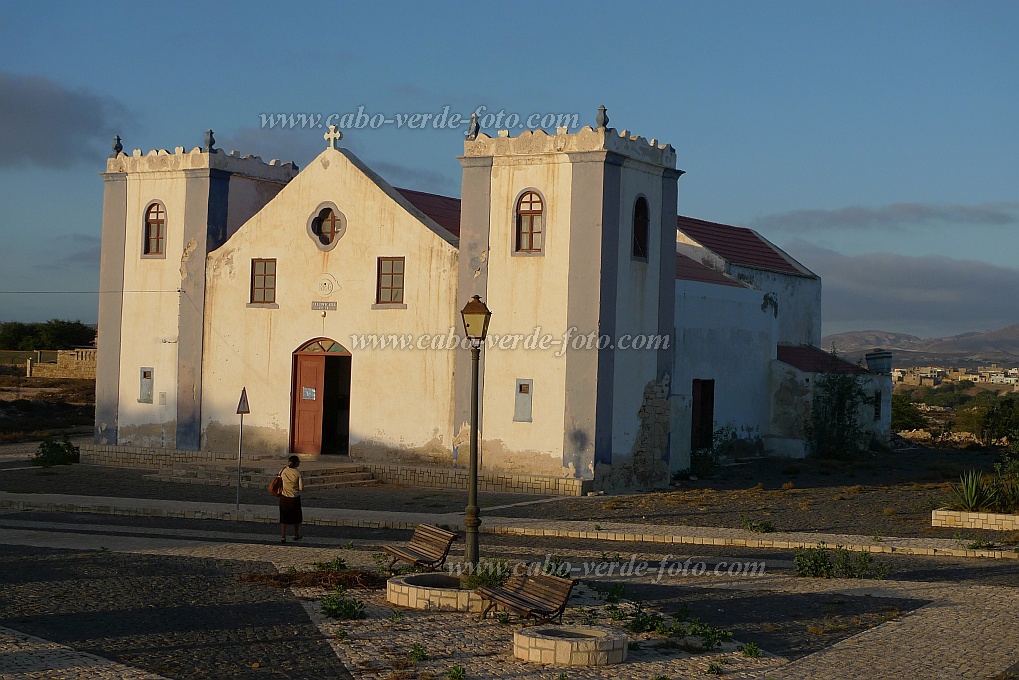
{"type": "Point", "coordinates": [636, 305]}
{"type": "Point", "coordinates": [400, 399]}
{"type": "Point", "coordinates": [728, 335]}
{"type": "Point", "coordinates": [792, 393]}
{"type": "Point", "coordinates": [799, 303]}
{"type": "Point", "coordinates": [647, 466]}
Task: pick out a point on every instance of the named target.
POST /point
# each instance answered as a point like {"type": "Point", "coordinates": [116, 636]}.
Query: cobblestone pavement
{"type": "Point", "coordinates": [172, 615]}
{"type": "Point", "coordinates": [946, 627]}
{"type": "Point", "coordinates": [26, 657]}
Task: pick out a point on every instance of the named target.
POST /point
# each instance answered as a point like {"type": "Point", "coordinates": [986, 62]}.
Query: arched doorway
{"type": "Point", "coordinates": [320, 398]}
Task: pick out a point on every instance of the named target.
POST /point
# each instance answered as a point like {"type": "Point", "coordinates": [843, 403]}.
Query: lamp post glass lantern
{"type": "Point", "coordinates": [475, 317]}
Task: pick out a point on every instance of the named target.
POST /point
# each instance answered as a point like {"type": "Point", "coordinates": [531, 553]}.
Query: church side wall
{"type": "Point", "coordinates": [725, 334]}
{"type": "Point", "coordinates": [150, 313]}
{"type": "Point", "coordinates": [527, 294]}
{"type": "Point", "coordinates": [400, 403]}
{"type": "Point", "coordinates": [799, 303]}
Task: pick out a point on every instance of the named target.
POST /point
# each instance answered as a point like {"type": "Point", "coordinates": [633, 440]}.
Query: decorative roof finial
{"type": "Point", "coordinates": [474, 128]}
{"type": "Point", "coordinates": [602, 119]}
{"type": "Point", "coordinates": [210, 142]}
{"type": "Point", "coordinates": [333, 137]}
{"type": "Point", "coordinates": [117, 146]}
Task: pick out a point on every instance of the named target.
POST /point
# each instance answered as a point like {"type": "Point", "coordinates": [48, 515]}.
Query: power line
{"type": "Point", "coordinates": [79, 292]}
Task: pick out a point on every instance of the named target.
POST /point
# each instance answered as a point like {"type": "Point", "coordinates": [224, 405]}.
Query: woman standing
{"type": "Point", "coordinates": [290, 500]}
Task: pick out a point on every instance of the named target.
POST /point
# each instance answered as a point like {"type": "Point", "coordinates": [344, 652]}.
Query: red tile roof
{"type": "Point", "coordinates": [815, 360]}
{"type": "Point", "coordinates": [692, 270]}
{"type": "Point", "coordinates": [738, 245]}
{"type": "Point", "coordinates": [445, 211]}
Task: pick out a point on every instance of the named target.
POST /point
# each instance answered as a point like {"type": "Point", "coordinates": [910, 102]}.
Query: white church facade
{"type": "Point", "coordinates": [620, 337]}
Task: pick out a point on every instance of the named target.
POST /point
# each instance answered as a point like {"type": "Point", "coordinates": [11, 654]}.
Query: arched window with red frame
{"type": "Point", "coordinates": [155, 230]}
{"type": "Point", "coordinates": [530, 223]}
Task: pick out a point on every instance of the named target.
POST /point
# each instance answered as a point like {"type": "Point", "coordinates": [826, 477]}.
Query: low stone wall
{"type": "Point", "coordinates": [444, 478]}
{"type": "Point", "coordinates": [457, 478]}
{"type": "Point", "coordinates": [960, 519]}
{"type": "Point", "coordinates": [147, 458]}
{"type": "Point", "coordinates": [71, 363]}
{"type": "Point", "coordinates": [571, 645]}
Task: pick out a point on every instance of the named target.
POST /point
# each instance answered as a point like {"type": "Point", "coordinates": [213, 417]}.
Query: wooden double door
{"type": "Point", "coordinates": [320, 413]}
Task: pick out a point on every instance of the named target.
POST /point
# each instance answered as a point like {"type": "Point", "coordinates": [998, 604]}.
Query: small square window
{"type": "Point", "coordinates": [263, 281]}
{"type": "Point", "coordinates": [389, 288]}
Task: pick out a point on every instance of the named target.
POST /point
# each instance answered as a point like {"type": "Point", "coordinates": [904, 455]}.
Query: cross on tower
{"type": "Point", "coordinates": [333, 137]}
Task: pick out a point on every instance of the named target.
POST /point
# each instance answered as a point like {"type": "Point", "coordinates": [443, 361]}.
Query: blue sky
{"type": "Point", "coordinates": [877, 142]}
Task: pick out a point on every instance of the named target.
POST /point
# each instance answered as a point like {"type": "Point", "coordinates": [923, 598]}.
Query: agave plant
{"type": "Point", "coordinates": [972, 493]}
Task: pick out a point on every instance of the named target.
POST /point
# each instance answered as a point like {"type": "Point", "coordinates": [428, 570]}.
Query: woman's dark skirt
{"type": "Point", "coordinates": [290, 510]}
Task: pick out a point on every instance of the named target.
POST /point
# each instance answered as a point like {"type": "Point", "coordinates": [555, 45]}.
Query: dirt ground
{"type": "Point", "coordinates": [31, 408]}
{"type": "Point", "coordinates": [888, 494]}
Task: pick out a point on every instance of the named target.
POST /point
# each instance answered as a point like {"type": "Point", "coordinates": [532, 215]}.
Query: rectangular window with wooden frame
{"type": "Point", "coordinates": [263, 281]}
{"type": "Point", "coordinates": [389, 290]}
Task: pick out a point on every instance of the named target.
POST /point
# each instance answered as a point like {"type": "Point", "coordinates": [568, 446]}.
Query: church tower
{"type": "Point", "coordinates": [162, 214]}
{"type": "Point", "coordinates": [570, 241]}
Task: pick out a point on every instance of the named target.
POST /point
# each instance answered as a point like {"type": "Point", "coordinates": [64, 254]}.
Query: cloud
{"type": "Point", "coordinates": [79, 250]}
{"type": "Point", "coordinates": [929, 296]}
{"type": "Point", "coordinates": [300, 145]}
{"type": "Point", "coordinates": [894, 216]}
{"type": "Point", "coordinates": [407, 177]}
{"type": "Point", "coordinates": [48, 124]}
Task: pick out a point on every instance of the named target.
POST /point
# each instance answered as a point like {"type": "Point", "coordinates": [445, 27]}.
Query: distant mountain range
{"type": "Point", "coordinates": [968, 349]}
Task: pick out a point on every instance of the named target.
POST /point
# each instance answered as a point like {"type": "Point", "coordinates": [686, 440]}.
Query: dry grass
{"type": "Point", "coordinates": [788, 485]}
{"type": "Point", "coordinates": [888, 512]}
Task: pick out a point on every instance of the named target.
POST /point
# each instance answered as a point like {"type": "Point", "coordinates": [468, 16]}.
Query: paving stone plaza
{"type": "Point", "coordinates": [147, 588]}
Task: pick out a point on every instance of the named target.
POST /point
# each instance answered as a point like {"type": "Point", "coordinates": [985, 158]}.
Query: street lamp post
{"type": "Point", "coordinates": [475, 317]}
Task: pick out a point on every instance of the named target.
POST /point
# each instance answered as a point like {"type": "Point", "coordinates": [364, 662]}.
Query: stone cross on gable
{"type": "Point", "coordinates": [333, 137]}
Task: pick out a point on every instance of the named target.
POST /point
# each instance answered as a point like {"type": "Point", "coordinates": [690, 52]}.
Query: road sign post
{"type": "Point", "coordinates": [242, 408]}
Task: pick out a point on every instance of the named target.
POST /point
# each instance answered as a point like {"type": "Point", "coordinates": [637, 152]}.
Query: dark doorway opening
{"type": "Point", "coordinates": [703, 418]}
{"type": "Point", "coordinates": [336, 406]}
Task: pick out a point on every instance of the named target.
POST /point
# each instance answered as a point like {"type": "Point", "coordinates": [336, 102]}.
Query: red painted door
{"type": "Point", "coordinates": [308, 397]}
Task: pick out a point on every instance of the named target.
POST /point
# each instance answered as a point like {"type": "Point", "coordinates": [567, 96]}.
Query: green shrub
{"type": "Point", "coordinates": [489, 574]}
{"type": "Point", "coordinates": [614, 593]}
{"type": "Point", "coordinates": [841, 563]}
{"type": "Point", "coordinates": [645, 622]}
{"type": "Point", "coordinates": [711, 637]}
{"type": "Point", "coordinates": [335, 564]}
{"type": "Point", "coordinates": [751, 650]}
{"type": "Point", "coordinates": [418, 653]}
{"type": "Point", "coordinates": [763, 527]}
{"type": "Point", "coordinates": [456, 673]}
{"type": "Point", "coordinates": [56, 453]}
{"type": "Point", "coordinates": [336, 606]}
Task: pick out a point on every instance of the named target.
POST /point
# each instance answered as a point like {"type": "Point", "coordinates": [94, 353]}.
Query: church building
{"type": "Point", "coordinates": [622, 336]}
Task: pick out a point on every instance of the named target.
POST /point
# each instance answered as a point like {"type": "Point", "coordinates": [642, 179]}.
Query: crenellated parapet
{"type": "Point", "coordinates": [536, 142]}
{"type": "Point", "coordinates": [161, 160]}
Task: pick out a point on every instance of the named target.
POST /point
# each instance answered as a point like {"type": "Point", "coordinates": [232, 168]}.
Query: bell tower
{"type": "Point", "coordinates": [570, 241]}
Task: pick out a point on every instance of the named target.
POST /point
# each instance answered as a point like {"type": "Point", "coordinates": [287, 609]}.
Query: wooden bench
{"type": "Point", "coordinates": [428, 547]}
{"type": "Point", "coordinates": [538, 596]}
